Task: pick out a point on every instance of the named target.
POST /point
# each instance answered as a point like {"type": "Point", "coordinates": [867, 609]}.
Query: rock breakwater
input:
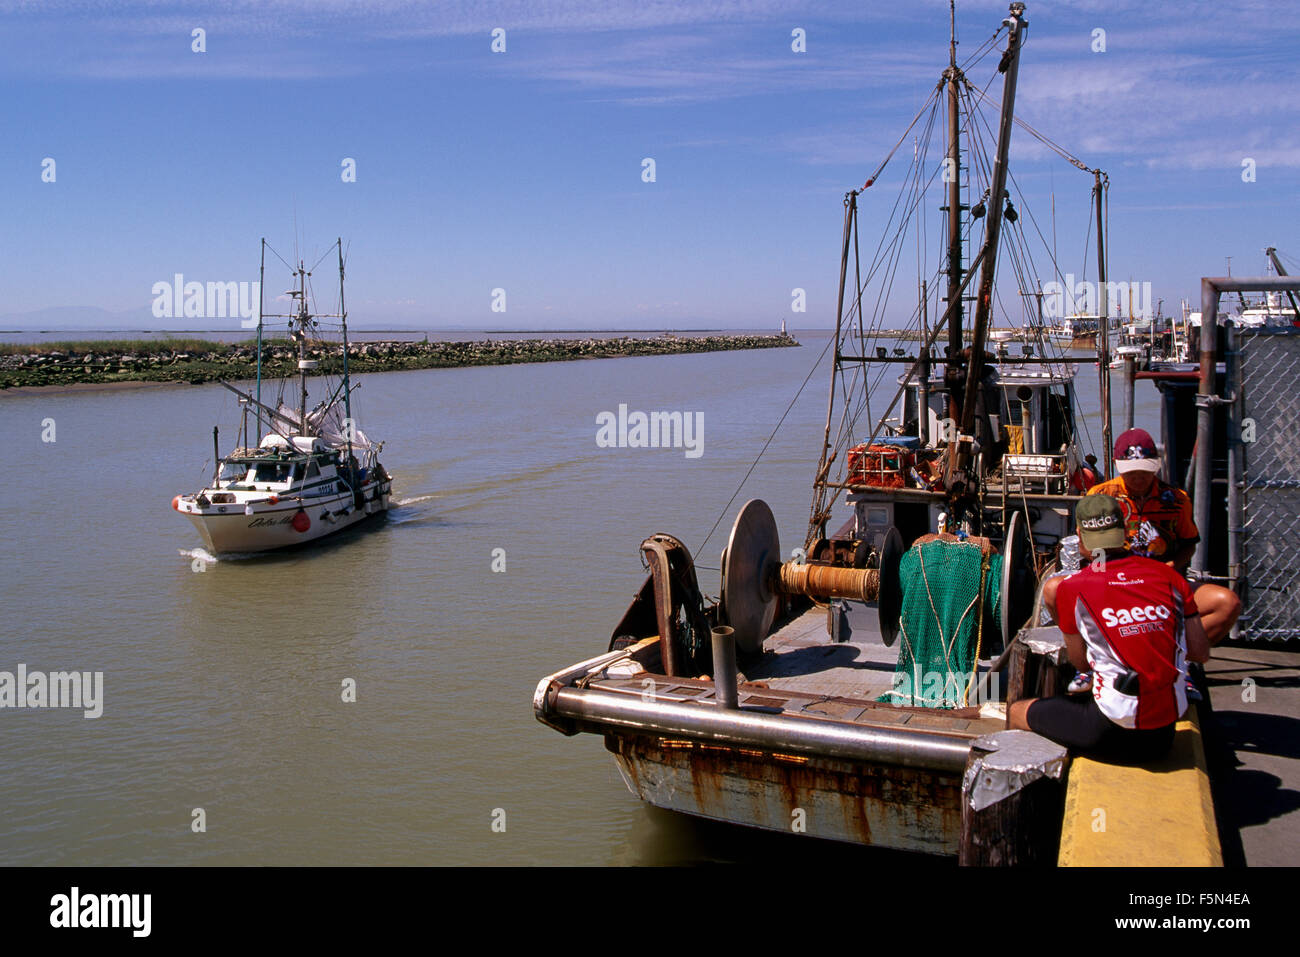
{"type": "Point", "coordinates": [196, 362]}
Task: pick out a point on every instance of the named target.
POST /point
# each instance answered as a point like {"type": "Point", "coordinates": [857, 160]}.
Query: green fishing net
{"type": "Point", "coordinates": [939, 631]}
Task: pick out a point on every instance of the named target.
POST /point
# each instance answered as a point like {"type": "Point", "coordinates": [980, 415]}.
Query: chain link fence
{"type": "Point", "coordinates": [1269, 517]}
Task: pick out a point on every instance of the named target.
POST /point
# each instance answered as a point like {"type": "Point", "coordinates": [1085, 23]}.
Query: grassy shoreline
{"type": "Point", "coordinates": [27, 365]}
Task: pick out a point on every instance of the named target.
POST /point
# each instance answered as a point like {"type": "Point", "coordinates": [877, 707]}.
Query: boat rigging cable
{"type": "Point", "coordinates": [914, 188]}
{"type": "Point", "coordinates": [870, 329]}
{"type": "Point", "coordinates": [982, 51]}
{"type": "Point", "coordinates": [330, 383]}
{"type": "Point", "coordinates": [726, 509]}
{"type": "Point", "coordinates": [1022, 261]}
{"type": "Point", "coordinates": [932, 103]}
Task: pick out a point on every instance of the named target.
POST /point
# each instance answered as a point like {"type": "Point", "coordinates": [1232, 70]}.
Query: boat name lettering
{"type": "Point", "coordinates": [265, 522]}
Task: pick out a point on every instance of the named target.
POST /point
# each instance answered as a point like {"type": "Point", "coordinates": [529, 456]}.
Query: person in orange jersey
{"type": "Point", "coordinates": [1159, 524]}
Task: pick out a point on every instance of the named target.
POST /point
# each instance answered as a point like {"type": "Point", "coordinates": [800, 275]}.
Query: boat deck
{"type": "Point", "coordinates": [800, 656]}
{"type": "Point", "coordinates": [803, 672]}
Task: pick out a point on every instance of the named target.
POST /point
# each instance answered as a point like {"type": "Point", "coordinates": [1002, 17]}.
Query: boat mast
{"type": "Point", "coordinates": [347, 388]}
{"type": "Point", "coordinates": [261, 285]}
{"type": "Point", "coordinates": [820, 514]}
{"type": "Point", "coordinates": [955, 321]}
{"type": "Point", "coordinates": [1100, 182]}
{"type": "Point", "coordinates": [303, 319]}
{"type": "Point", "coordinates": [923, 386]}
{"type": "Point", "coordinates": [997, 193]}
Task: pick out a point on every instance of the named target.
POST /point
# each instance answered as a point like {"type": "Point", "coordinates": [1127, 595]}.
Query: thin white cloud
{"type": "Point", "coordinates": [1168, 75]}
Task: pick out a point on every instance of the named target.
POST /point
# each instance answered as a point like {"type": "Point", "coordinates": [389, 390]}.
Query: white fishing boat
{"type": "Point", "coordinates": [309, 472]}
{"type": "Point", "coordinates": [1076, 330]}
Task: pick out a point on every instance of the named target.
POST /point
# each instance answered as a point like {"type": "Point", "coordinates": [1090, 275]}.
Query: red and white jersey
{"type": "Point", "coordinates": [1131, 618]}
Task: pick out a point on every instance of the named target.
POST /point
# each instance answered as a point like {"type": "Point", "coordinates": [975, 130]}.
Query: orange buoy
{"type": "Point", "coordinates": [176, 502]}
{"type": "Point", "coordinates": [274, 500]}
{"type": "Point", "coordinates": [1083, 478]}
{"type": "Point", "coordinates": [301, 521]}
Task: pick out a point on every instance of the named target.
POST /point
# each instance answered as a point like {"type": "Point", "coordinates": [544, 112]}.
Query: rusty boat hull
{"type": "Point", "coordinates": [805, 751]}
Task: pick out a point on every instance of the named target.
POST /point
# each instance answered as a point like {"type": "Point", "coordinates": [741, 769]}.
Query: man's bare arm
{"type": "Point", "coordinates": [1049, 596]}
{"type": "Point", "coordinates": [1198, 644]}
{"type": "Point", "coordinates": [1183, 554]}
{"type": "Point", "coordinates": [1078, 651]}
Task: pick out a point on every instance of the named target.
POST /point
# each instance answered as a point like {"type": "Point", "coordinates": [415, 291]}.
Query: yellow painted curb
{"type": "Point", "coordinates": [1160, 815]}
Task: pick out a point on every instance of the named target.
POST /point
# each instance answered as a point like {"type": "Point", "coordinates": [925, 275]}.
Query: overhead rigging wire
{"type": "Point", "coordinates": [1022, 264]}
{"type": "Point", "coordinates": [808, 378]}
{"type": "Point", "coordinates": [890, 245]}
{"type": "Point", "coordinates": [888, 261]}
{"type": "Point", "coordinates": [891, 259]}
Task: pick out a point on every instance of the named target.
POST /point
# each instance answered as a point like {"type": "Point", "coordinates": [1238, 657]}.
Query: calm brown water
{"type": "Point", "coordinates": [222, 687]}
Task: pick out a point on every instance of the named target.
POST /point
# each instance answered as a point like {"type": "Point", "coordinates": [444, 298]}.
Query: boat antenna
{"type": "Point", "coordinates": [952, 31]}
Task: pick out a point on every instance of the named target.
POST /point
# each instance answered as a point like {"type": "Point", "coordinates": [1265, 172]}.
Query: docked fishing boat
{"type": "Point", "coordinates": [1077, 331]}
{"type": "Point", "coordinates": [307, 472]}
{"type": "Point", "coordinates": [1142, 342]}
{"type": "Point", "coordinates": [852, 692]}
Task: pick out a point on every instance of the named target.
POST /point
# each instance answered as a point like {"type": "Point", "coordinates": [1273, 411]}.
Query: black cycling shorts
{"type": "Point", "coordinates": [1076, 722]}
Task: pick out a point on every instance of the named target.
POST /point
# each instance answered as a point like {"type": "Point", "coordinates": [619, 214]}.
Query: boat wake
{"type": "Point", "coordinates": [198, 554]}
{"type": "Point", "coordinates": [416, 511]}
{"type": "Point", "coordinates": [204, 556]}
{"type": "Point", "coordinates": [414, 500]}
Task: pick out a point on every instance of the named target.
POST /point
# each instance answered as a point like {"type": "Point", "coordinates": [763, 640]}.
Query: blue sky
{"type": "Point", "coordinates": [522, 170]}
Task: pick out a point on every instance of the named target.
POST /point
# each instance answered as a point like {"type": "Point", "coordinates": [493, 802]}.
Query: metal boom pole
{"type": "Point", "coordinates": [984, 301]}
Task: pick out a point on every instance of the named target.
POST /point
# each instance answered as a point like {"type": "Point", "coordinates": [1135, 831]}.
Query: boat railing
{"type": "Point", "coordinates": [1036, 472]}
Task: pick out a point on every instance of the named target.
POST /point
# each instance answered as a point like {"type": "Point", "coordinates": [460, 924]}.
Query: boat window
{"type": "Point", "coordinates": [1060, 421]}
{"type": "Point", "coordinates": [1012, 408]}
{"type": "Point", "coordinates": [233, 471]}
{"type": "Point", "coordinates": [909, 410]}
{"type": "Point", "coordinates": [271, 472]}
{"type": "Point", "coordinates": [313, 471]}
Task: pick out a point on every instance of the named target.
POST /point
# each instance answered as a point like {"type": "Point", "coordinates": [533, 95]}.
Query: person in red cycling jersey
{"type": "Point", "coordinates": [1134, 623]}
{"type": "Point", "coordinates": [1158, 524]}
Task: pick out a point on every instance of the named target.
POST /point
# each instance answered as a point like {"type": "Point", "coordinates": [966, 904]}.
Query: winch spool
{"type": "Point", "coordinates": [860, 584]}
{"type": "Point", "coordinates": [753, 552]}
{"type": "Point", "coordinates": [753, 576]}
{"type": "Point", "coordinates": [889, 609]}
{"type": "Point", "coordinates": [1019, 577]}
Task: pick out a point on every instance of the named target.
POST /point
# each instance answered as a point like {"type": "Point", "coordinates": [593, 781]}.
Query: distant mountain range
{"type": "Point", "coordinates": [89, 317]}
{"type": "Point", "coordinates": [95, 319]}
